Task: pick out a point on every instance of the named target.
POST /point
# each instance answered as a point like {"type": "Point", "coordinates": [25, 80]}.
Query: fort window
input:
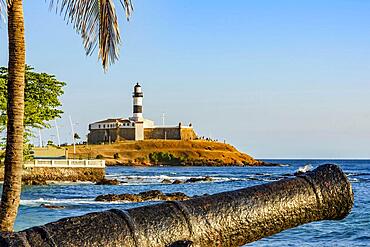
{"type": "Point", "coordinates": [99, 126]}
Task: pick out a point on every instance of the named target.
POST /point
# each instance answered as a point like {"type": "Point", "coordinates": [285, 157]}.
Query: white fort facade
{"type": "Point", "coordinates": [136, 127]}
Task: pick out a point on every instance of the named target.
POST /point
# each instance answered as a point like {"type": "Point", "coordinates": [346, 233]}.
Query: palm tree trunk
{"type": "Point", "coordinates": [15, 110]}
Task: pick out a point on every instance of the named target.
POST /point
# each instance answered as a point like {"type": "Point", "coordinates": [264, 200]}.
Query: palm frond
{"type": "Point", "coordinates": [96, 21]}
{"type": "Point", "coordinates": [128, 7]}
{"type": "Point", "coordinates": [4, 5]}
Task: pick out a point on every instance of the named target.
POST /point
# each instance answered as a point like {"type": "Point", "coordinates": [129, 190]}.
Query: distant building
{"type": "Point", "coordinates": [136, 127]}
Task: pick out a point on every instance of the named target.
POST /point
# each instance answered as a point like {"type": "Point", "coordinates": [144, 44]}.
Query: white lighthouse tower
{"type": "Point", "coordinates": [138, 104]}
{"type": "Point", "coordinates": [137, 117]}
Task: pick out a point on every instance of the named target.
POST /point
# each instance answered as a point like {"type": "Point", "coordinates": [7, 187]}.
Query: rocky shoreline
{"type": "Point", "coordinates": [106, 181]}
{"type": "Point", "coordinates": [200, 162]}
{"type": "Point", "coordinates": [45, 175]}
{"type": "Point", "coordinates": [151, 195]}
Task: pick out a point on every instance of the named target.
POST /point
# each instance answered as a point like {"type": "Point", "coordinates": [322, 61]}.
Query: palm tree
{"type": "Point", "coordinates": [96, 22]}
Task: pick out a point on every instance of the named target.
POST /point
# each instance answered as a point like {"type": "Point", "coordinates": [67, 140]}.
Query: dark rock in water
{"type": "Point", "coordinates": [176, 196]}
{"type": "Point", "coordinates": [105, 181]}
{"type": "Point", "coordinates": [35, 181]}
{"type": "Point", "coordinates": [166, 181]}
{"type": "Point", "coordinates": [204, 179]}
{"type": "Point", "coordinates": [115, 197]}
{"type": "Point", "coordinates": [182, 243]}
{"type": "Point", "coordinates": [177, 182]}
{"type": "Point", "coordinates": [52, 206]}
{"type": "Point", "coordinates": [264, 163]}
{"type": "Point", "coordinates": [151, 195]}
{"type": "Point", "coordinates": [126, 197]}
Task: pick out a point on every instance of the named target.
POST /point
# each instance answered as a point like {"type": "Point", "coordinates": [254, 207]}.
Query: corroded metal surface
{"type": "Point", "coordinates": [226, 219]}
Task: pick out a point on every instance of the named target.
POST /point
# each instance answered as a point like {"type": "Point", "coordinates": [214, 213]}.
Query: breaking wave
{"type": "Point", "coordinates": [62, 202]}
{"type": "Point", "coordinates": [157, 179]}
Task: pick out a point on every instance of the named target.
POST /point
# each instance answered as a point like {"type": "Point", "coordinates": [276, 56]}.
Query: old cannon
{"type": "Point", "coordinates": [225, 219]}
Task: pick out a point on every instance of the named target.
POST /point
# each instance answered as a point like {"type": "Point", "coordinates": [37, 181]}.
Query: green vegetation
{"type": "Point", "coordinates": [76, 136]}
{"type": "Point", "coordinates": [99, 156]}
{"type": "Point", "coordinates": [167, 158]}
{"type": "Point", "coordinates": [116, 155]}
{"type": "Point", "coordinates": [41, 94]}
{"type": "Point", "coordinates": [160, 157]}
{"type": "Point", "coordinates": [140, 159]}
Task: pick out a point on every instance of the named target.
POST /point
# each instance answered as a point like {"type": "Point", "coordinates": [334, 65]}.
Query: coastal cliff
{"type": "Point", "coordinates": [165, 152]}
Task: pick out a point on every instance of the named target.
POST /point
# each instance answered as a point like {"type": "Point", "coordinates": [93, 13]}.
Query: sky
{"type": "Point", "coordinates": [276, 79]}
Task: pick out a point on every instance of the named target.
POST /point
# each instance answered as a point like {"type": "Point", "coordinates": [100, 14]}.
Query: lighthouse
{"type": "Point", "coordinates": [138, 103]}
{"type": "Point", "coordinates": [136, 127]}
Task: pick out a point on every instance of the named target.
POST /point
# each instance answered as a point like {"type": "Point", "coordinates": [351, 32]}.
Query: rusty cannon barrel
{"type": "Point", "coordinates": [225, 219]}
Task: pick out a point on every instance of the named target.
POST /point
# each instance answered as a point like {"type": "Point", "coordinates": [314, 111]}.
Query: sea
{"type": "Point", "coordinates": [78, 198]}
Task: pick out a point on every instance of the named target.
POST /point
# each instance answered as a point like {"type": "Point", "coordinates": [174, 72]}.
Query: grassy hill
{"type": "Point", "coordinates": [164, 152]}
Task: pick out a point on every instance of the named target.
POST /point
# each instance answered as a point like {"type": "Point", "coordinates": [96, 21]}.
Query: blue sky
{"type": "Point", "coordinates": [277, 79]}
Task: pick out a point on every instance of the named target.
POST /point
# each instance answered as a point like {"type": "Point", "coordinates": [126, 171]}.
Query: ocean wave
{"type": "Point", "coordinates": [132, 179]}
{"type": "Point", "coordinates": [69, 182]}
{"type": "Point", "coordinates": [353, 180]}
{"type": "Point", "coordinates": [64, 202]}
{"type": "Point", "coordinates": [356, 174]}
{"type": "Point", "coordinates": [304, 169]}
{"type": "Point", "coordinates": [157, 179]}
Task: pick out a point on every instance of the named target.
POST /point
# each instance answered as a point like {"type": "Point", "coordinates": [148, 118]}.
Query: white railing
{"type": "Point", "coordinates": [65, 163]}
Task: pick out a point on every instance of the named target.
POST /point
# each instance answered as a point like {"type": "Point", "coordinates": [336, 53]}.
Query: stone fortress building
{"type": "Point", "coordinates": [136, 127]}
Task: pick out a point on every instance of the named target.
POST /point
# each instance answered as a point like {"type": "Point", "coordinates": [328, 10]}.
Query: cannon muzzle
{"type": "Point", "coordinates": [225, 219]}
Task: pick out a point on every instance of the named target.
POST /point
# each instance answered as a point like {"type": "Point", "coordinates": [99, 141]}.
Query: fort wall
{"type": "Point", "coordinates": [163, 133]}
{"type": "Point", "coordinates": [106, 135]}
{"type": "Point", "coordinates": [188, 134]}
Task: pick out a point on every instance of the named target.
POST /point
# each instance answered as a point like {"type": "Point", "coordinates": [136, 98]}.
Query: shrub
{"type": "Point", "coordinates": [140, 159]}
{"type": "Point", "coordinates": [162, 157]}
{"type": "Point", "coordinates": [116, 155]}
{"type": "Point", "coordinates": [99, 156]}
{"type": "Point", "coordinates": [183, 158]}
